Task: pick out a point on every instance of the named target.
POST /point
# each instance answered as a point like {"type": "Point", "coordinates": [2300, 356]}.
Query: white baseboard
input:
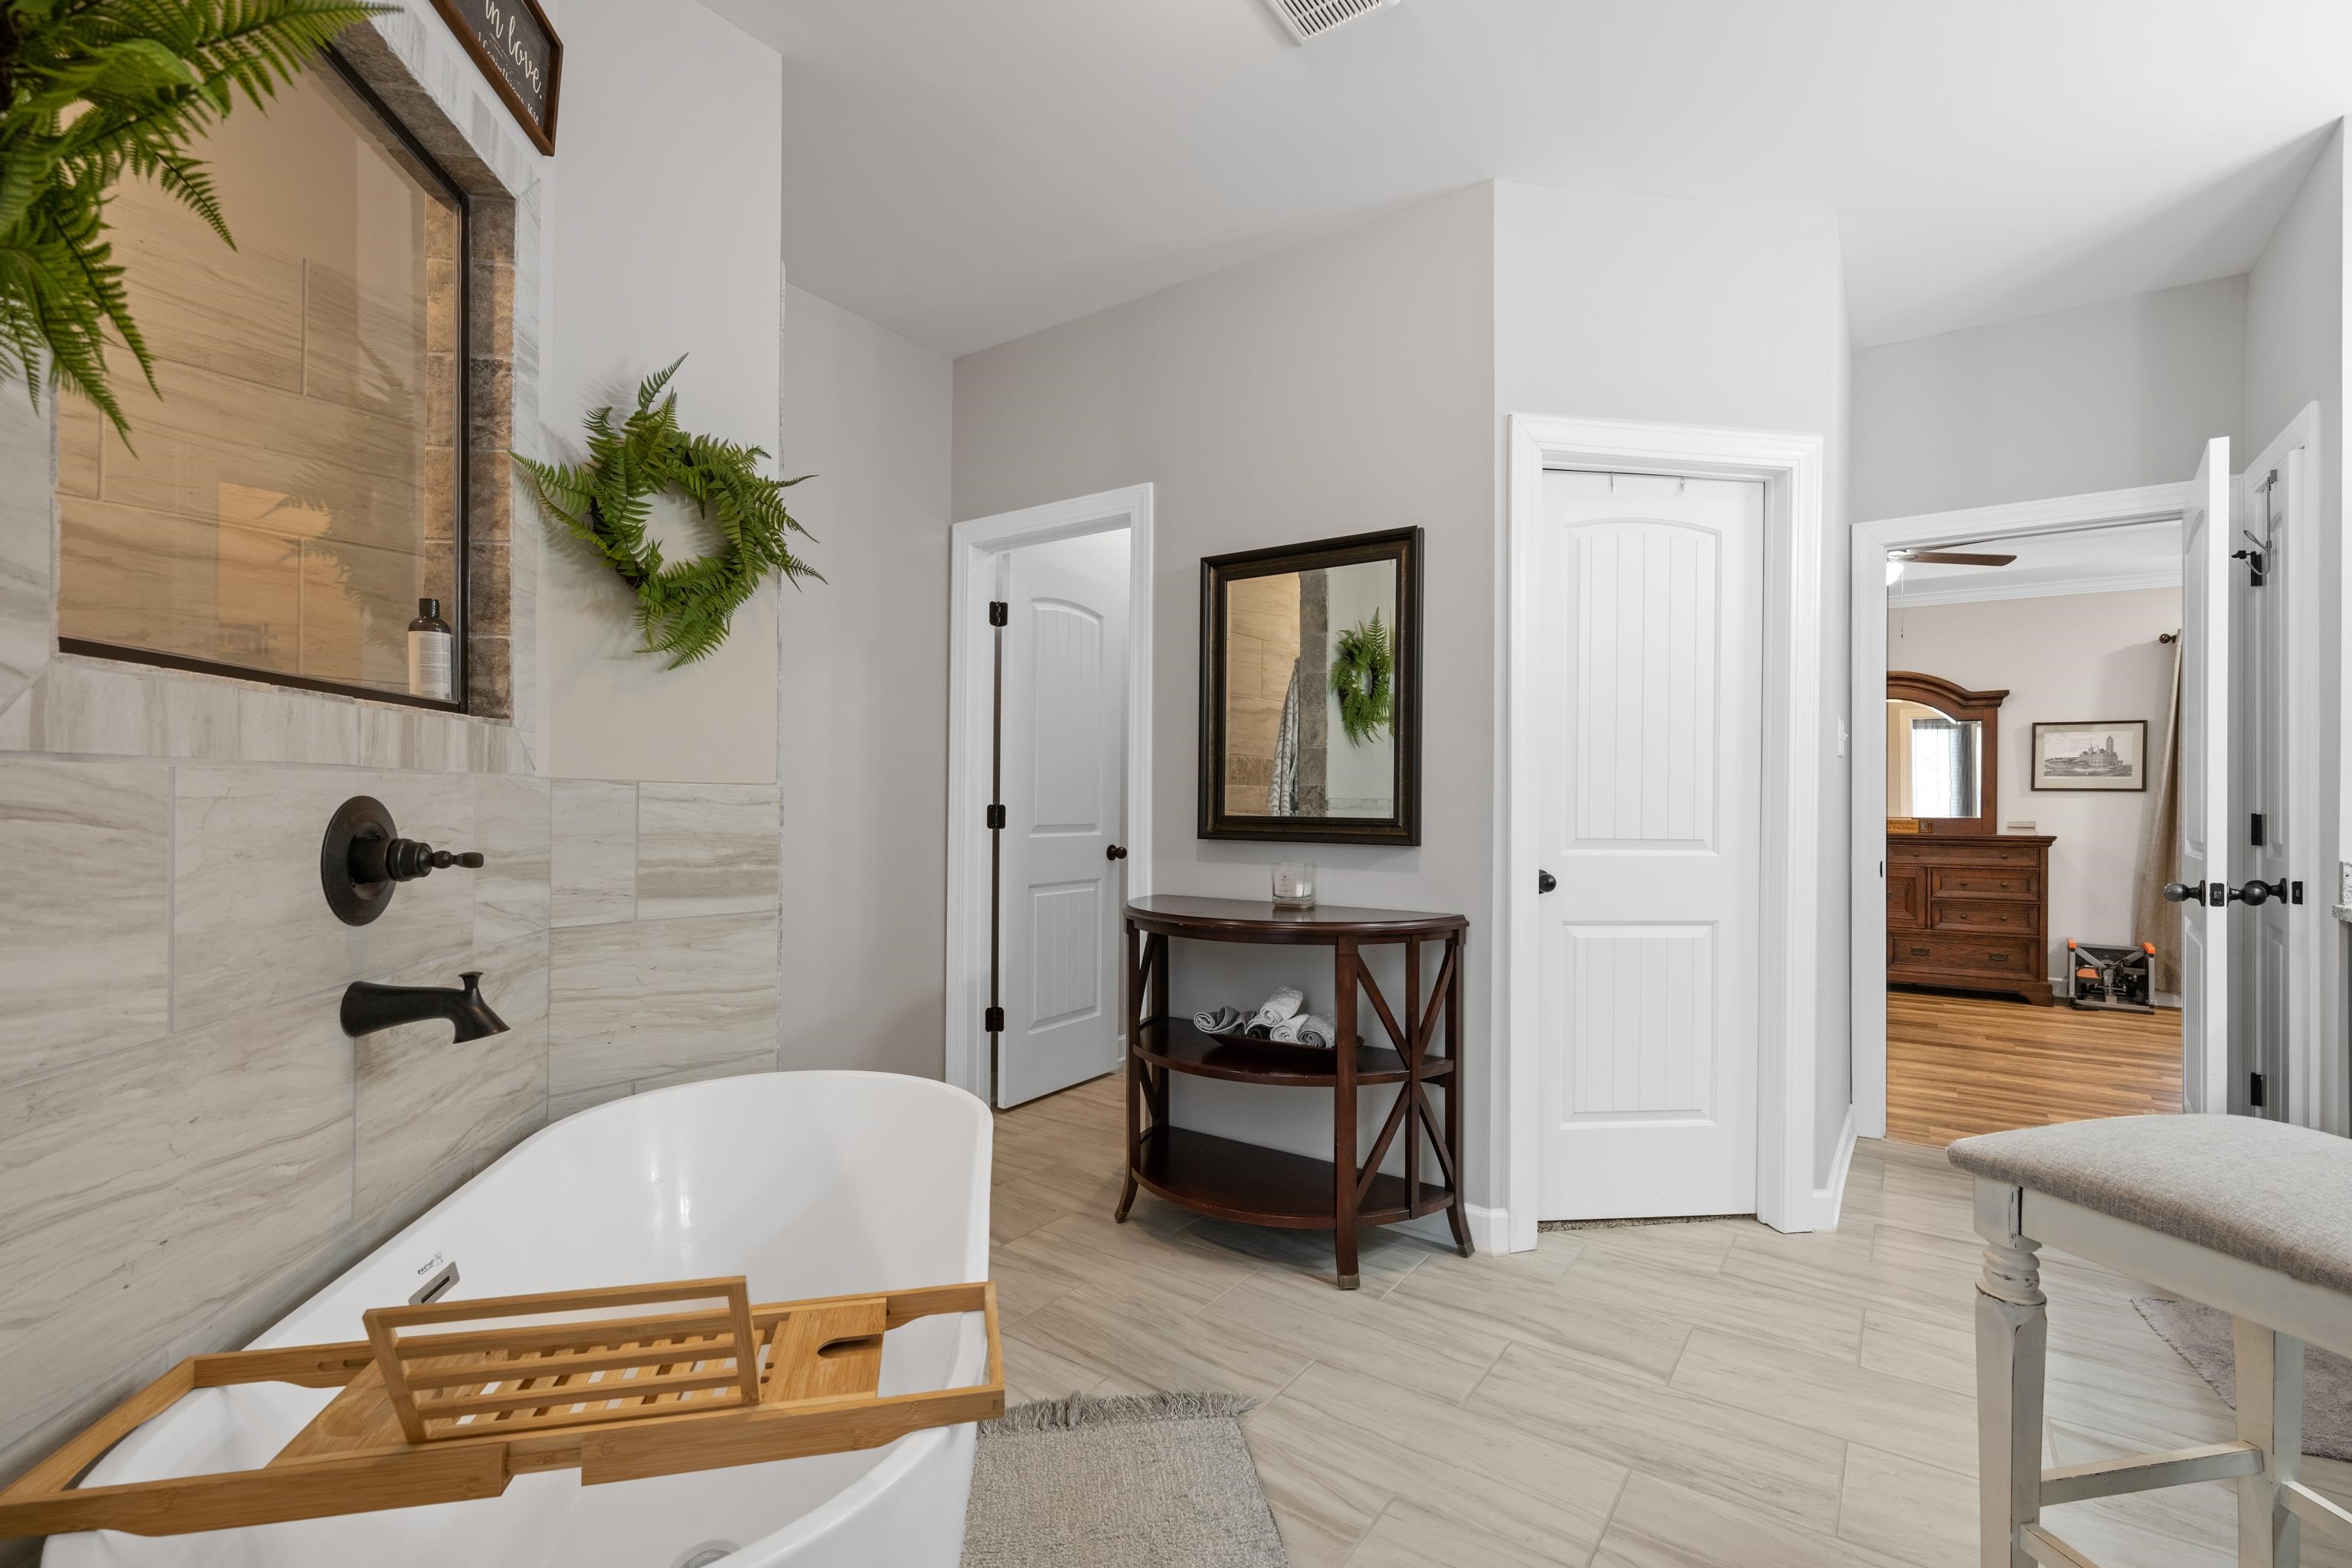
{"type": "Point", "coordinates": [1830, 1201]}
{"type": "Point", "coordinates": [1490, 1229]}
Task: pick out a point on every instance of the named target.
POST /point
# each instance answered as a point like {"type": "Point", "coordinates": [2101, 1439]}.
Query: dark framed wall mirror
{"type": "Point", "coordinates": [1943, 755]}
{"type": "Point", "coordinates": [1310, 691]}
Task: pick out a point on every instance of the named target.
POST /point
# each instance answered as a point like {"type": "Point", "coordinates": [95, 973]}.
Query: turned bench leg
{"type": "Point", "coordinates": [2013, 1347]}
{"type": "Point", "coordinates": [2270, 1417]}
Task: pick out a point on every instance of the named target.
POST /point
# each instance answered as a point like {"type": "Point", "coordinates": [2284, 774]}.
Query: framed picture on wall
{"type": "Point", "coordinates": [2096, 755]}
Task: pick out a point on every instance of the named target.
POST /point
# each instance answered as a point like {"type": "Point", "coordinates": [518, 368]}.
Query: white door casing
{"type": "Point", "coordinates": [1649, 675]}
{"type": "Point", "coordinates": [1803, 1141]}
{"type": "Point", "coordinates": [978, 544]}
{"type": "Point", "coordinates": [2207, 537]}
{"type": "Point", "coordinates": [1868, 546]}
{"type": "Point", "coordinates": [1064, 736]}
{"type": "Point", "coordinates": [2260, 937]}
{"type": "Point", "coordinates": [2302, 846]}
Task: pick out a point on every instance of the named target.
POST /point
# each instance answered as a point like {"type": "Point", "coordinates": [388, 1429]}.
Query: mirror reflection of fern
{"type": "Point", "coordinates": [1363, 676]}
{"type": "Point", "coordinates": [684, 608]}
{"type": "Point", "coordinates": [91, 92]}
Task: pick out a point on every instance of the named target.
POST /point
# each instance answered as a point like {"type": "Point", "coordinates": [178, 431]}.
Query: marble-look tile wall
{"type": "Point", "coordinates": [189, 1142]}
{"type": "Point", "coordinates": [663, 964]}
{"type": "Point", "coordinates": [189, 1145]}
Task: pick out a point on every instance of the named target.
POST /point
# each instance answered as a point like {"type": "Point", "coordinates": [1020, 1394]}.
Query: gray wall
{"type": "Point", "coordinates": [1689, 313]}
{"type": "Point", "coordinates": [1338, 388]}
{"type": "Point", "coordinates": [670, 99]}
{"type": "Point", "coordinates": [861, 695]}
{"type": "Point", "coordinates": [189, 1143]}
{"type": "Point", "coordinates": [2124, 392]}
{"type": "Point", "coordinates": [1361, 382]}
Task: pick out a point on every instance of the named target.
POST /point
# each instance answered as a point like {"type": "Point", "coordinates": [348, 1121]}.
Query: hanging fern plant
{"type": "Point", "coordinates": [91, 92]}
{"type": "Point", "coordinates": [684, 608]}
{"type": "Point", "coordinates": [1363, 675]}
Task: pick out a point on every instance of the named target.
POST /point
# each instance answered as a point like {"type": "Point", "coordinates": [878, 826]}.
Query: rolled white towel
{"type": "Point", "coordinates": [1218, 1021]}
{"type": "Point", "coordinates": [1307, 1030]}
{"type": "Point", "coordinates": [1286, 1002]}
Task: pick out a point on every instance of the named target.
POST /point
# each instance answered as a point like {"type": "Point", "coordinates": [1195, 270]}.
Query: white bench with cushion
{"type": "Point", "coordinates": [2252, 1217]}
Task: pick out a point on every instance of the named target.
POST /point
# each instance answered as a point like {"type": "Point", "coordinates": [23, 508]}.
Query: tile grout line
{"type": "Point", "coordinates": [1845, 1479]}
{"type": "Point", "coordinates": [1482, 1376]}
{"type": "Point", "coordinates": [1601, 1538]}
{"type": "Point", "coordinates": [1308, 1366]}
{"type": "Point", "coordinates": [1366, 1533]}
{"type": "Point", "coordinates": [1689, 1334]}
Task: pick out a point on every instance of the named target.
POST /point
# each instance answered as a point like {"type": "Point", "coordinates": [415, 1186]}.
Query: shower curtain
{"type": "Point", "coordinates": [2153, 920]}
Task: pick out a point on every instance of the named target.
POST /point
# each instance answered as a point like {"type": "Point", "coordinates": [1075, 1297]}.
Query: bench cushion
{"type": "Point", "coordinates": [2272, 1194]}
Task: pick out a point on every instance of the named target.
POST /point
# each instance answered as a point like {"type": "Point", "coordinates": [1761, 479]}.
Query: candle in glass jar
{"type": "Point", "coordinates": [1294, 884]}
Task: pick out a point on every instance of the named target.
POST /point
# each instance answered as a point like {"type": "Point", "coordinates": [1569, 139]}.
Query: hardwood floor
{"type": "Point", "coordinates": [1710, 1395]}
{"type": "Point", "coordinates": [1960, 1066]}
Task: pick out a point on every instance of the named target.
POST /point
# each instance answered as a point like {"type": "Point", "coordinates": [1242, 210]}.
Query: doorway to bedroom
{"type": "Point", "coordinates": [2033, 968]}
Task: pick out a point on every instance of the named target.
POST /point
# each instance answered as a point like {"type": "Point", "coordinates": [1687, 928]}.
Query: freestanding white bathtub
{"type": "Point", "coordinates": [812, 1184]}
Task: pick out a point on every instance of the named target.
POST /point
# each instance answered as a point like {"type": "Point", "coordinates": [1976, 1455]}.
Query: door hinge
{"type": "Point", "coordinates": [2256, 838]}
{"type": "Point", "coordinates": [999, 613]}
{"type": "Point", "coordinates": [995, 817]}
{"type": "Point", "coordinates": [993, 1020]}
{"type": "Point", "coordinates": [2254, 1088]}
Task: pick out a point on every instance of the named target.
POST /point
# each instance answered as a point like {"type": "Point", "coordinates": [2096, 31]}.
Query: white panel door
{"type": "Point", "coordinates": [2207, 824]}
{"type": "Point", "coordinates": [1650, 681]}
{"type": "Point", "coordinates": [1065, 795]}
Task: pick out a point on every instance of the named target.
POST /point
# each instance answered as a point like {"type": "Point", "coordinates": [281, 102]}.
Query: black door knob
{"type": "Point", "coordinates": [2257, 893]}
{"type": "Point", "coordinates": [1116, 852]}
{"type": "Point", "coordinates": [2184, 892]}
{"type": "Point", "coordinates": [1546, 881]}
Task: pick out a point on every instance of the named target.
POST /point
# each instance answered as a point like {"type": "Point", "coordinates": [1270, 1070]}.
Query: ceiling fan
{"type": "Point", "coordinates": [1946, 557]}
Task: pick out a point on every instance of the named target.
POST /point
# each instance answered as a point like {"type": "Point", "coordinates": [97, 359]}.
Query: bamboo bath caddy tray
{"type": "Point", "coordinates": [695, 1377]}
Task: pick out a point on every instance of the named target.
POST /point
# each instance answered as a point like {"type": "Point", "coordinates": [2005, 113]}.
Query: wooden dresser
{"type": "Point", "coordinates": [1970, 912]}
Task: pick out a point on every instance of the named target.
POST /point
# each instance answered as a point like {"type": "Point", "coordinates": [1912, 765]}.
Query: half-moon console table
{"type": "Point", "coordinates": [1243, 1182]}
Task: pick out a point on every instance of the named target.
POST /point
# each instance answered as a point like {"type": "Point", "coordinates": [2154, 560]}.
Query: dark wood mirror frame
{"type": "Point", "coordinates": [1402, 825]}
{"type": "Point", "coordinates": [1959, 703]}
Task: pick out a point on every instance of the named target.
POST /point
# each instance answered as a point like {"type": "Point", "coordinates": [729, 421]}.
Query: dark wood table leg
{"type": "Point", "coordinates": [1343, 1118]}
{"type": "Point", "coordinates": [1412, 1048]}
{"type": "Point", "coordinates": [1456, 1217]}
{"type": "Point", "coordinates": [1161, 956]}
{"type": "Point", "coordinates": [1134, 1064]}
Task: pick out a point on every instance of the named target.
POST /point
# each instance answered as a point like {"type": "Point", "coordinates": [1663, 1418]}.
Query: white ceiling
{"type": "Point", "coordinates": [2088, 561]}
{"type": "Point", "coordinates": [970, 171]}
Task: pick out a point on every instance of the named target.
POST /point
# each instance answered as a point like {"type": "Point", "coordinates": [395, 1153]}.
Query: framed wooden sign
{"type": "Point", "coordinates": [517, 48]}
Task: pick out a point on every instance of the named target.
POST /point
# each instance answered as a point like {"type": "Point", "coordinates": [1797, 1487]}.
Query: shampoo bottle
{"type": "Point", "coordinates": [429, 642]}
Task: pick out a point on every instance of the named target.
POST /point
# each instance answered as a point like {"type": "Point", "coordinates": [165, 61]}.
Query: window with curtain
{"type": "Point", "coordinates": [1943, 768]}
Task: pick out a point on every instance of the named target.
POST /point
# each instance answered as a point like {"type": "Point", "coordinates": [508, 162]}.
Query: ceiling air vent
{"type": "Point", "coordinates": [1312, 18]}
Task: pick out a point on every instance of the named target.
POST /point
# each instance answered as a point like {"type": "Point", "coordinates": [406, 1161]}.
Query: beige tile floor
{"type": "Point", "coordinates": [1670, 1396]}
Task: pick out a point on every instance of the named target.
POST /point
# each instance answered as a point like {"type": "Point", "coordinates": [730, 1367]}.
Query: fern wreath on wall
{"type": "Point", "coordinates": [684, 608]}
{"type": "Point", "coordinates": [1363, 674]}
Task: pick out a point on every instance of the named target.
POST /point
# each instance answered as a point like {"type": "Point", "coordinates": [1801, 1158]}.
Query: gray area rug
{"type": "Point", "coordinates": [2202, 1336]}
{"type": "Point", "coordinates": [1153, 1481]}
